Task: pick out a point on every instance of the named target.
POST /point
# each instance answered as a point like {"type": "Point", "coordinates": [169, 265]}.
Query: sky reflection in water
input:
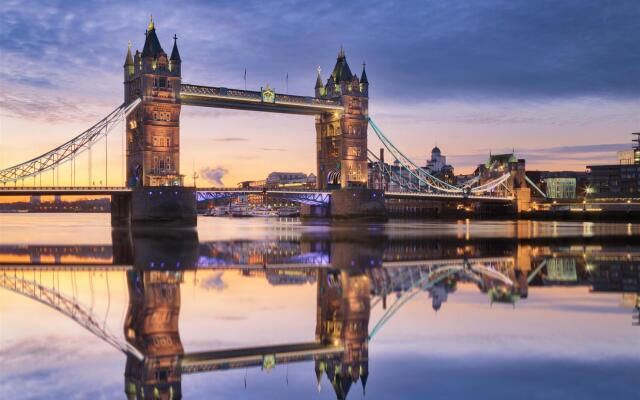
{"type": "Point", "coordinates": [256, 285]}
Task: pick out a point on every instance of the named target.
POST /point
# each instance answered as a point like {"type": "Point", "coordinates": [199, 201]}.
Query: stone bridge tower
{"type": "Point", "coordinates": [153, 129]}
{"type": "Point", "coordinates": [344, 307]}
{"type": "Point", "coordinates": [151, 325]}
{"type": "Point", "coordinates": [342, 137]}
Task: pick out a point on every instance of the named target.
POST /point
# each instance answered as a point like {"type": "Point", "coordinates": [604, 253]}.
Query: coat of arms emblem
{"type": "Point", "coordinates": [268, 95]}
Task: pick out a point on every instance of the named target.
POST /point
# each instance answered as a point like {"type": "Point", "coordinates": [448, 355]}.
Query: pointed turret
{"type": "Point", "coordinates": [152, 47]}
{"type": "Point", "coordinates": [175, 55]}
{"type": "Point", "coordinates": [363, 380]}
{"type": "Point", "coordinates": [128, 61]}
{"type": "Point", "coordinates": [129, 66]}
{"type": "Point", "coordinates": [320, 90]}
{"type": "Point", "coordinates": [319, 80]}
{"type": "Point", "coordinates": [320, 367]}
{"type": "Point", "coordinates": [341, 72]}
{"type": "Point", "coordinates": [363, 76]}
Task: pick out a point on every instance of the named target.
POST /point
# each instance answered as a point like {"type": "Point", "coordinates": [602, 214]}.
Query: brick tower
{"type": "Point", "coordinates": [153, 129]}
{"type": "Point", "coordinates": [342, 137]}
{"type": "Point", "coordinates": [151, 326]}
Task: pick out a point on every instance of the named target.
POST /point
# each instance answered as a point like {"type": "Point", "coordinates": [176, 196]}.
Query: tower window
{"type": "Point", "coordinates": [162, 82]}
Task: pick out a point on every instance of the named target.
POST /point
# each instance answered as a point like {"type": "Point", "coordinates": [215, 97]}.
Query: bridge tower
{"type": "Point", "coordinates": [153, 130]}
{"type": "Point", "coordinates": [151, 325]}
{"type": "Point", "coordinates": [342, 137]}
{"type": "Point", "coordinates": [344, 307]}
{"type": "Point", "coordinates": [153, 141]}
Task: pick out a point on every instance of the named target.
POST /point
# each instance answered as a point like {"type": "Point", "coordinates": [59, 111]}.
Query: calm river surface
{"type": "Point", "coordinates": [283, 309]}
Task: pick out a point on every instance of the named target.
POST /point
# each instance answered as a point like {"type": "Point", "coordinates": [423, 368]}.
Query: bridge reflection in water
{"type": "Point", "coordinates": [352, 277]}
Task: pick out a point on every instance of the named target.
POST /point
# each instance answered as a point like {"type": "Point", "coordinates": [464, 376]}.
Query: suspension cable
{"type": "Point", "coordinates": [422, 175]}
{"type": "Point", "coordinates": [68, 150]}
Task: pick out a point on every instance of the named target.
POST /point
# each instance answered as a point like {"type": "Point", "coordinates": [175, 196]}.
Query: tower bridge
{"type": "Point", "coordinates": [154, 190]}
{"type": "Point", "coordinates": [156, 359]}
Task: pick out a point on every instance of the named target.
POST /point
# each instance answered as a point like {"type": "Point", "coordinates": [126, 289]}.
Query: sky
{"type": "Point", "coordinates": [558, 82]}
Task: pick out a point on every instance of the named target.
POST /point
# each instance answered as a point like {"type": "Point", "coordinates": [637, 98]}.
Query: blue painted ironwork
{"type": "Point", "coordinates": [307, 196]}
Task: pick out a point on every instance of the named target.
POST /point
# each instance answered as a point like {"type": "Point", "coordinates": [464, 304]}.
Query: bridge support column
{"type": "Point", "coordinates": [120, 210]}
{"type": "Point", "coordinates": [171, 206]}
{"type": "Point", "coordinates": [523, 199]}
{"type": "Point", "coordinates": [358, 203]}
{"type": "Point", "coordinates": [311, 211]}
{"type": "Point", "coordinates": [168, 206]}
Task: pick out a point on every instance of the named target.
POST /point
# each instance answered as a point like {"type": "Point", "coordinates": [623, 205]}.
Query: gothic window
{"type": "Point", "coordinates": [353, 151]}
{"type": "Point", "coordinates": [162, 82]}
{"type": "Point", "coordinates": [353, 173]}
{"type": "Point", "coordinates": [331, 132]}
{"type": "Point", "coordinates": [161, 116]}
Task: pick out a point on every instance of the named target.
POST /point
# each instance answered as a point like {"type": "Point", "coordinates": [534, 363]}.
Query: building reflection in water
{"type": "Point", "coordinates": [352, 277]}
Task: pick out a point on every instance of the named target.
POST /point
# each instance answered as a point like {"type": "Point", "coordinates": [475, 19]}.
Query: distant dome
{"type": "Point", "coordinates": [435, 150]}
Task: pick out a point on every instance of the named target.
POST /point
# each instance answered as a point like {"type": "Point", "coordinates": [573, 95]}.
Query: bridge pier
{"type": "Point", "coordinates": [120, 210]}
{"type": "Point", "coordinates": [167, 206]}
{"type": "Point", "coordinates": [356, 203]}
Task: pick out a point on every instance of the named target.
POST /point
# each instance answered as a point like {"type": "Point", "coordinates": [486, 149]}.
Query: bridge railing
{"type": "Point", "coordinates": [253, 95]}
{"type": "Point", "coordinates": [65, 188]}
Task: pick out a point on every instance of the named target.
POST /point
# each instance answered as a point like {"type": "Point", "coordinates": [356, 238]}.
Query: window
{"type": "Point", "coordinates": [353, 151]}
{"type": "Point", "coordinates": [161, 141]}
{"type": "Point", "coordinates": [161, 116]}
{"type": "Point", "coordinates": [162, 82]}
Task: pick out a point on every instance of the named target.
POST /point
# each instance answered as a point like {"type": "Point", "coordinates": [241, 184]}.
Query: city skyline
{"type": "Point", "coordinates": [562, 95]}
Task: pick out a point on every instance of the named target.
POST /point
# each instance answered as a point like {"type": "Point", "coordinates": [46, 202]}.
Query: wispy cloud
{"type": "Point", "coordinates": [271, 149]}
{"type": "Point", "coordinates": [214, 175]}
{"type": "Point", "coordinates": [230, 139]}
{"type": "Point", "coordinates": [584, 154]}
{"type": "Point", "coordinates": [517, 49]}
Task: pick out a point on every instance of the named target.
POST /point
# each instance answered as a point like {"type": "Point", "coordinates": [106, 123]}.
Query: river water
{"type": "Point", "coordinates": [282, 309]}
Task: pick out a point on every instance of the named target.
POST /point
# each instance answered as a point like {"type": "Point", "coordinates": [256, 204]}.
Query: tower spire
{"type": "Point", "coordinates": [152, 47]}
{"type": "Point", "coordinates": [175, 54]}
{"type": "Point", "coordinates": [318, 79]}
{"type": "Point", "coordinates": [128, 61]}
{"type": "Point", "coordinates": [363, 76]}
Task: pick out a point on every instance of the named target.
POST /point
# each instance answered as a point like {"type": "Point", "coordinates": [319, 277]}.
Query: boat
{"type": "Point", "coordinates": [263, 212]}
{"type": "Point", "coordinates": [289, 212]}
{"type": "Point", "coordinates": [240, 211]}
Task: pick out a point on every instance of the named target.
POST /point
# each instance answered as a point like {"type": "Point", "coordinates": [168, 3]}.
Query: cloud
{"type": "Point", "coordinates": [230, 139]}
{"type": "Point", "coordinates": [214, 175]}
{"type": "Point", "coordinates": [271, 149]}
{"type": "Point", "coordinates": [414, 50]}
{"type": "Point", "coordinates": [215, 282]}
{"type": "Point", "coordinates": [30, 105]}
{"type": "Point", "coordinates": [592, 154]}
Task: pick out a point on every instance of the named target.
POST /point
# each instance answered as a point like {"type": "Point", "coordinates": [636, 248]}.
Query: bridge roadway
{"type": "Point", "coordinates": [310, 196]}
{"type": "Point", "coordinates": [255, 356]}
{"type": "Point", "coordinates": [84, 265]}
{"type": "Point", "coordinates": [237, 99]}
